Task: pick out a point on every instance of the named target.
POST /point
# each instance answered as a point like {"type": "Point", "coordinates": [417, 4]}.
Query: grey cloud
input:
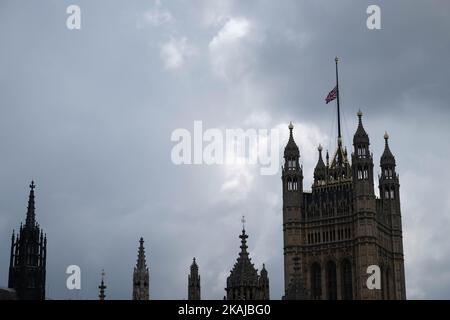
{"type": "Point", "coordinates": [89, 116]}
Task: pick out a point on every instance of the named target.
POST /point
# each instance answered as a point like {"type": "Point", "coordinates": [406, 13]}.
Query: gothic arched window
{"type": "Point", "coordinates": [316, 281]}
{"type": "Point", "coordinates": [291, 164]}
{"type": "Point", "coordinates": [360, 175]}
{"type": "Point", "coordinates": [347, 288]}
{"type": "Point", "coordinates": [331, 281]}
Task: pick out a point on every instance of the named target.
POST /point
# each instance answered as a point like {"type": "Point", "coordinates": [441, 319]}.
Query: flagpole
{"type": "Point", "coordinates": [338, 108]}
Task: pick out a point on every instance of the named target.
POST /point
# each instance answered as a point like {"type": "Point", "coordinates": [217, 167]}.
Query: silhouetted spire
{"type": "Point", "coordinates": [28, 257]}
{"type": "Point", "coordinates": [243, 237]}
{"type": "Point", "coordinates": [244, 247]}
{"type": "Point", "coordinates": [31, 215]}
{"type": "Point", "coordinates": [243, 276]}
{"type": "Point", "coordinates": [264, 271]}
{"type": "Point", "coordinates": [320, 163]}
{"type": "Point", "coordinates": [194, 282]}
{"type": "Point", "coordinates": [320, 169]}
{"type": "Point", "coordinates": [361, 136]}
{"type": "Point", "coordinates": [141, 264]}
{"type": "Point", "coordinates": [387, 158]}
{"type": "Point", "coordinates": [141, 276]}
{"type": "Point", "coordinates": [291, 148]}
{"type": "Point", "coordinates": [264, 284]}
{"type": "Point", "coordinates": [339, 158]}
{"type": "Point", "coordinates": [194, 267]}
{"type": "Point", "coordinates": [102, 287]}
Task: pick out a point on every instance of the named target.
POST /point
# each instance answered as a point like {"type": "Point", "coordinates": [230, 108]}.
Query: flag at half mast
{"type": "Point", "coordinates": [332, 95]}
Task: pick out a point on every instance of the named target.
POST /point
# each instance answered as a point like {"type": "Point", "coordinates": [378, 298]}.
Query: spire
{"type": "Point", "coordinates": [387, 158]}
{"type": "Point", "coordinates": [244, 246]}
{"type": "Point", "coordinates": [243, 237]}
{"type": "Point", "coordinates": [291, 148]}
{"type": "Point", "coordinates": [141, 277]}
{"type": "Point", "coordinates": [361, 136]}
{"type": "Point", "coordinates": [320, 169]}
{"type": "Point", "coordinates": [264, 284]}
{"type": "Point", "coordinates": [264, 271]}
{"type": "Point", "coordinates": [141, 264]}
{"type": "Point", "coordinates": [340, 157]}
{"type": "Point", "coordinates": [31, 215]}
{"type": "Point", "coordinates": [194, 282]}
{"type": "Point", "coordinates": [102, 287]}
{"type": "Point", "coordinates": [320, 163]}
{"type": "Point", "coordinates": [243, 276]}
{"type": "Point", "coordinates": [194, 266]}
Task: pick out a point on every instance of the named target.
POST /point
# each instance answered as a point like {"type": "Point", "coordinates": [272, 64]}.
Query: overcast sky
{"type": "Point", "coordinates": [89, 115]}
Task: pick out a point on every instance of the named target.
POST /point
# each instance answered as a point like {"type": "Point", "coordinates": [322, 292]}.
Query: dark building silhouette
{"type": "Point", "coordinates": [141, 275]}
{"type": "Point", "coordinates": [194, 282]}
{"type": "Point", "coordinates": [340, 227]}
{"type": "Point", "coordinates": [244, 283]}
{"type": "Point", "coordinates": [28, 257]}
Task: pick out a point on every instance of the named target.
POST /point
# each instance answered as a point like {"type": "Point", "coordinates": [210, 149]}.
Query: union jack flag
{"type": "Point", "coordinates": [332, 95]}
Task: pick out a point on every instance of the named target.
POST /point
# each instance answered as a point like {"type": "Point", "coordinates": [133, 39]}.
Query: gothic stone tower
{"type": "Point", "coordinates": [194, 282]}
{"type": "Point", "coordinates": [244, 283]}
{"type": "Point", "coordinates": [340, 227]}
{"type": "Point", "coordinates": [28, 257]}
{"type": "Point", "coordinates": [141, 275]}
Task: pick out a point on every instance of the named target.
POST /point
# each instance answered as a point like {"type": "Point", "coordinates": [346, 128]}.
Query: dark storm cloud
{"type": "Point", "coordinates": [89, 114]}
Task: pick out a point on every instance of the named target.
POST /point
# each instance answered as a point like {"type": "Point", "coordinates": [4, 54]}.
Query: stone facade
{"type": "Point", "coordinates": [340, 227]}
